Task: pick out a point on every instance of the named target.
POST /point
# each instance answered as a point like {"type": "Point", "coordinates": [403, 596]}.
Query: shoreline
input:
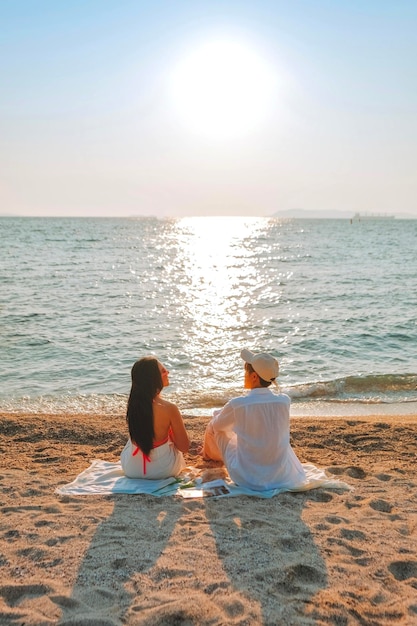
{"type": "Point", "coordinates": [353, 409]}
{"type": "Point", "coordinates": [314, 409]}
{"type": "Point", "coordinates": [335, 410]}
{"type": "Point", "coordinates": [315, 558]}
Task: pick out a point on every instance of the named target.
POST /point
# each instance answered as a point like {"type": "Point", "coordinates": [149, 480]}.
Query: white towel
{"type": "Point", "coordinates": [103, 477]}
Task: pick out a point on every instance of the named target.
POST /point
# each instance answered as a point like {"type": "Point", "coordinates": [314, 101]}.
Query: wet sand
{"type": "Point", "coordinates": [320, 557]}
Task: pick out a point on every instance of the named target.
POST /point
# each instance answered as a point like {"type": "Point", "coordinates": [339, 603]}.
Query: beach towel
{"type": "Point", "coordinates": [104, 478]}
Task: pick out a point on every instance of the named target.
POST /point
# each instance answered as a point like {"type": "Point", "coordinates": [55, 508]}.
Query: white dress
{"type": "Point", "coordinates": [163, 461]}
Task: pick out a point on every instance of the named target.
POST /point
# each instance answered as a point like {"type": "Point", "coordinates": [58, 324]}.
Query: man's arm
{"type": "Point", "coordinates": [224, 419]}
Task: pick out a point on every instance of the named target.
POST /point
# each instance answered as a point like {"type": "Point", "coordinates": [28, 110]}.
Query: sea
{"type": "Point", "coordinates": [81, 299]}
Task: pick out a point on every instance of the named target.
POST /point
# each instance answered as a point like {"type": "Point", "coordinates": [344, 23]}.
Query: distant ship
{"type": "Point", "coordinates": [373, 216]}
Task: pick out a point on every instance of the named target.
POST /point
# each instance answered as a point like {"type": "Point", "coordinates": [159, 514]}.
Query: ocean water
{"type": "Point", "coordinates": [82, 299]}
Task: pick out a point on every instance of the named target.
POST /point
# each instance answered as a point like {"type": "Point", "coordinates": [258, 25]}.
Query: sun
{"type": "Point", "coordinates": [222, 89]}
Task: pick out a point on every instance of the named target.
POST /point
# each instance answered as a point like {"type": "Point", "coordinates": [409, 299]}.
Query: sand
{"type": "Point", "coordinates": [319, 557]}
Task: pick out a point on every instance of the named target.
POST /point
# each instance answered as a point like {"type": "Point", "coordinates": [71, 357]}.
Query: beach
{"type": "Point", "coordinates": [326, 556]}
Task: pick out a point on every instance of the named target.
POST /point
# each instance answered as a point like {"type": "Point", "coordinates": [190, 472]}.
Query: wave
{"type": "Point", "coordinates": [376, 388]}
{"type": "Point", "coordinates": [366, 389]}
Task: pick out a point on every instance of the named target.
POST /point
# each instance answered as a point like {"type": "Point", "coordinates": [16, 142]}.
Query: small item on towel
{"type": "Point", "coordinates": [216, 488]}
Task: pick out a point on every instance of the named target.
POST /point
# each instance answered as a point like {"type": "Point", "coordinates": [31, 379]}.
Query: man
{"type": "Point", "coordinates": [251, 434]}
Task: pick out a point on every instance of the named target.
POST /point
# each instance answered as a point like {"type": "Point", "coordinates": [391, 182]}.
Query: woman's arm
{"type": "Point", "coordinates": [178, 433]}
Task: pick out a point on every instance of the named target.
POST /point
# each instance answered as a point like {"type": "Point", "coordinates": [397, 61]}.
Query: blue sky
{"type": "Point", "coordinates": [89, 123]}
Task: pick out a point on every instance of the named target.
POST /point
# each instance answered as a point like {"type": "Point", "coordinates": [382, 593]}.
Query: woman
{"type": "Point", "coordinates": [157, 432]}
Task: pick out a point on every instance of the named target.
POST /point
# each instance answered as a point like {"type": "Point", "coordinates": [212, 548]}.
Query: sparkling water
{"type": "Point", "coordinates": [82, 299]}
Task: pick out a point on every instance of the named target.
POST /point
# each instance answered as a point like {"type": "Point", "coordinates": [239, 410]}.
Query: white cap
{"type": "Point", "coordinates": [265, 365]}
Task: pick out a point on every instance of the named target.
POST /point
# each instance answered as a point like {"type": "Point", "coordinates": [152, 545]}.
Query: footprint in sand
{"type": "Point", "coordinates": [41, 458]}
{"type": "Point", "coordinates": [334, 519]}
{"type": "Point", "coordinates": [215, 586]}
{"type": "Point", "coordinates": [299, 577]}
{"type": "Point", "coordinates": [11, 535]}
{"type": "Point", "coordinates": [38, 556]}
{"type": "Point", "coordinates": [383, 477]}
{"type": "Point", "coordinates": [352, 550]}
{"type": "Point", "coordinates": [403, 570]}
{"type": "Point", "coordinates": [381, 505]}
{"type": "Point", "coordinates": [43, 522]}
{"type": "Point", "coordinates": [60, 539]}
{"type": "Point", "coordinates": [356, 472]}
{"type": "Point", "coordinates": [13, 594]}
{"type": "Point", "coordinates": [35, 554]}
{"type": "Point", "coordinates": [288, 544]}
{"type": "Point", "coordinates": [353, 472]}
{"type": "Point", "coordinates": [321, 496]}
{"type": "Point", "coordinates": [354, 502]}
{"type": "Point", "coordinates": [346, 533]}
{"type": "Point", "coordinates": [336, 470]}
{"type": "Point", "coordinates": [382, 426]}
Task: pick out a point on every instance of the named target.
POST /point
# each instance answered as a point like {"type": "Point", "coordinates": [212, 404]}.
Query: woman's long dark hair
{"type": "Point", "coordinates": [146, 384]}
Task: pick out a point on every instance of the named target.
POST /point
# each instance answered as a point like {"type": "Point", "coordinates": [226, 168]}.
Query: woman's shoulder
{"type": "Point", "coordinates": [166, 405]}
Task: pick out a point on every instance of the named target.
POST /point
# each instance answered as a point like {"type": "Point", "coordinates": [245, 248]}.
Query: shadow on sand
{"type": "Point", "coordinates": [169, 561]}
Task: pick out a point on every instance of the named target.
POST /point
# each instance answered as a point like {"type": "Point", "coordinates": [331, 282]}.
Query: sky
{"type": "Point", "coordinates": [215, 107]}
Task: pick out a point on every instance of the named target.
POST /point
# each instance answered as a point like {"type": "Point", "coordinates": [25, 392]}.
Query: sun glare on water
{"type": "Point", "coordinates": [222, 89]}
{"type": "Point", "coordinates": [215, 253]}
